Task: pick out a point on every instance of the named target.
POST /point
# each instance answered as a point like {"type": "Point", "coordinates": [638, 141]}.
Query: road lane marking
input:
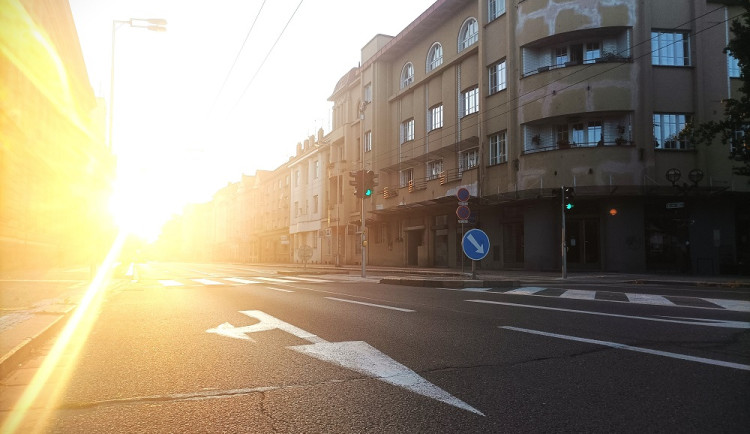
{"type": "Point", "coordinates": [358, 356]}
{"type": "Point", "coordinates": [170, 283]}
{"type": "Point", "coordinates": [207, 281]}
{"type": "Point", "coordinates": [278, 289]}
{"type": "Point", "coordinates": [648, 299]}
{"type": "Point", "coordinates": [238, 280]}
{"type": "Point", "coordinates": [737, 305]}
{"type": "Point", "coordinates": [579, 294]}
{"type": "Point", "coordinates": [371, 304]}
{"type": "Point", "coordinates": [690, 321]}
{"type": "Point", "coordinates": [528, 290]}
{"type": "Point", "coordinates": [632, 348]}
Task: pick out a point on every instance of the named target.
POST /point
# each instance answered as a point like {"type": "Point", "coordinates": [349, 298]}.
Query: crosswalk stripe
{"type": "Point", "coordinates": [207, 281]}
{"type": "Point", "coordinates": [528, 290]}
{"type": "Point", "coordinates": [273, 279]}
{"type": "Point", "coordinates": [579, 294]}
{"type": "Point", "coordinates": [170, 283]}
{"type": "Point", "coordinates": [648, 299]}
{"type": "Point", "coordinates": [737, 305]}
{"type": "Point", "coordinates": [238, 280]}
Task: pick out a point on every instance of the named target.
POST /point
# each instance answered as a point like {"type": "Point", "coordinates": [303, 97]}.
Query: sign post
{"type": "Point", "coordinates": [476, 245]}
{"type": "Point", "coordinates": [463, 212]}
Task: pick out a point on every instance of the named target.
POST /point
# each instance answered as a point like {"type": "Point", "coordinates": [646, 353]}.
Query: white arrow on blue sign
{"type": "Point", "coordinates": [476, 244]}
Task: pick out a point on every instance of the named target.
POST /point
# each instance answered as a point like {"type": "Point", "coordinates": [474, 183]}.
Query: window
{"type": "Point", "coordinates": [470, 101]}
{"type": "Point", "coordinates": [468, 159]}
{"type": "Point", "coordinates": [469, 34]}
{"type": "Point", "coordinates": [297, 210]}
{"type": "Point", "coordinates": [667, 128]}
{"type": "Point", "coordinates": [368, 92]}
{"type": "Point", "coordinates": [316, 169]}
{"type": "Point", "coordinates": [315, 204]}
{"type": "Point", "coordinates": [495, 8]}
{"type": "Point", "coordinates": [594, 132]}
{"type": "Point", "coordinates": [498, 148]}
{"type": "Point", "coordinates": [562, 134]}
{"type": "Point", "coordinates": [407, 130]}
{"type": "Point", "coordinates": [497, 76]}
{"type": "Point", "coordinates": [405, 177]}
{"type": "Point", "coordinates": [561, 56]}
{"type": "Point", "coordinates": [436, 117]}
{"type": "Point", "coordinates": [368, 141]}
{"type": "Point", "coordinates": [733, 66]}
{"type": "Point", "coordinates": [592, 52]}
{"type": "Point", "coordinates": [670, 48]}
{"type": "Point", "coordinates": [434, 169]}
{"type": "Point", "coordinates": [296, 178]}
{"type": "Point", "coordinates": [434, 56]}
{"type": "Point", "coordinates": [407, 75]}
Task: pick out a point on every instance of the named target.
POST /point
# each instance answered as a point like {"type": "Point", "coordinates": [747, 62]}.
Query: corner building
{"type": "Point", "coordinates": [514, 101]}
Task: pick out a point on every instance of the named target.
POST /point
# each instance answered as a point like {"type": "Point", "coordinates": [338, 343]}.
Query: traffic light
{"type": "Point", "coordinates": [568, 194]}
{"type": "Point", "coordinates": [357, 182]}
{"type": "Point", "coordinates": [369, 183]}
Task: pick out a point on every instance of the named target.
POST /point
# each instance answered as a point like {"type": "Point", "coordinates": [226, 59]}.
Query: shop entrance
{"type": "Point", "coordinates": [582, 239]}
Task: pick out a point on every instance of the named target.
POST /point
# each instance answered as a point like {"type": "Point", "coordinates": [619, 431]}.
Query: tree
{"type": "Point", "coordinates": [734, 128]}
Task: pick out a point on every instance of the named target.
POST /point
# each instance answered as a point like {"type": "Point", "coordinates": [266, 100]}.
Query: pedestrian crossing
{"type": "Point", "coordinates": [624, 297]}
{"type": "Point", "coordinates": [219, 281]}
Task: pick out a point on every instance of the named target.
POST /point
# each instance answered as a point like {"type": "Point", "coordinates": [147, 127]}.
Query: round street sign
{"type": "Point", "coordinates": [476, 244]}
{"type": "Point", "coordinates": [463, 212]}
{"type": "Point", "coordinates": [463, 195]}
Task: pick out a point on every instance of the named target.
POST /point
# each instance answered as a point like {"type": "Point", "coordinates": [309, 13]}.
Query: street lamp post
{"type": "Point", "coordinates": [153, 24]}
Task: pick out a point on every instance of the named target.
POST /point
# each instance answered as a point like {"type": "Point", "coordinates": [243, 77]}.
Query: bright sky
{"type": "Point", "coordinates": [173, 148]}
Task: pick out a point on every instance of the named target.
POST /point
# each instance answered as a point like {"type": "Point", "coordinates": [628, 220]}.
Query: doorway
{"type": "Point", "coordinates": [582, 240]}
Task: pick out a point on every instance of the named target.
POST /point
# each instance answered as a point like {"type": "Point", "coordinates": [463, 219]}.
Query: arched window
{"type": "Point", "coordinates": [434, 56]}
{"type": "Point", "coordinates": [407, 75]}
{"type": "Point", "coordinates": [469, 34]}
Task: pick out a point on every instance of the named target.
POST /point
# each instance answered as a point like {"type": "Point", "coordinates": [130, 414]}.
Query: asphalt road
{"type": "Point", "coordinates": [208, 348]}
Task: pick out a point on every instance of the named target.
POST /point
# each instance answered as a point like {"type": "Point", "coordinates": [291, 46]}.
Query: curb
{"type": "Point", "coordinates": [453, 284]}
{"type": "Point", "coordinates": [13, 358]}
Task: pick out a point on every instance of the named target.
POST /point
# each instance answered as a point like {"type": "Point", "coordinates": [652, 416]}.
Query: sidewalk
{"type": "Point", "coordinates": [35, 306]}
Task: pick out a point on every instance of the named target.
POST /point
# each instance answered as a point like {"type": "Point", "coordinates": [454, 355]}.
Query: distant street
{"type": "Point", "coordinates": [211, 348]}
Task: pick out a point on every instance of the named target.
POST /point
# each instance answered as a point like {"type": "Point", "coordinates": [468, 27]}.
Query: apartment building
{"type": "Point", "coordinates": [56, 171]}
{"type": "Point", "coordinates": [515, 100]}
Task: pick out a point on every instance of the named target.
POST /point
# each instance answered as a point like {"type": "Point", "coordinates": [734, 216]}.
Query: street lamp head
{"type": "Point", "coordinates": [157, 28]}
{"type": "Point", "coordinates": [157, 21]}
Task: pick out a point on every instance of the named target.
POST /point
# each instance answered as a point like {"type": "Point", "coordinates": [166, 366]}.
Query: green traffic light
{"type": "Point", "coordinates": [368, 192]}
{"type": "Point", "coordinates": [569, 206]}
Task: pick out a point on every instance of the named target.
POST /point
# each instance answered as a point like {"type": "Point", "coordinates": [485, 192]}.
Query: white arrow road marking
{"type": "Point", "coordinates": [355, 355]}
{"type": "Point", "coordinates": [691, 321]}
{"type": "Point", "coordinates": [479, 247]}
{"type": "Point", "coordinates": [266, 322]}
{"type": "Point", "coordinates": [363, 358]}
{"type": "Point", "coordinates": [636, 349]}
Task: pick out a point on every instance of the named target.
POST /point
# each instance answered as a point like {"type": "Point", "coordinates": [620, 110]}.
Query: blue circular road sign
{"type": "Point", "coordinates": [476, 244]}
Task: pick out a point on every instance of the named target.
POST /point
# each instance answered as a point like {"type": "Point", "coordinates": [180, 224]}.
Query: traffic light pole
{"type": "Point", "coordinates": [563, 242]}
{"type": "Point", "coordinates": [362, 240]}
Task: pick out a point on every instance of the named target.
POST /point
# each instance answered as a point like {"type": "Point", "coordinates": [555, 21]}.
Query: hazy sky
{"type": "Point", "coordinates": [177, 137]}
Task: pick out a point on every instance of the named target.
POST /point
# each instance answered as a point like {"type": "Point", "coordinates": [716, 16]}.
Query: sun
{"type": "Point", "coordinates": [139, 203]}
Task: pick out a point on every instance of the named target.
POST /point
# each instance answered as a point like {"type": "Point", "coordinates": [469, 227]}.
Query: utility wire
{"type": "Point", "coordinates": [267, 55]}
{"type": "Point", "coordinates": [252, 26]}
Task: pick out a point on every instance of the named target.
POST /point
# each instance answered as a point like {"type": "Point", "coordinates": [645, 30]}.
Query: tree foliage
{"type": "Point", "coordinates": [734, 128]}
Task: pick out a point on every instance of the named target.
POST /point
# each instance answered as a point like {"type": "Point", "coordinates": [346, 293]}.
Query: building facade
{"type": "Point", "coordinates": [56, 171]}
{"type": "Point", "coordinates": [513, 102]}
